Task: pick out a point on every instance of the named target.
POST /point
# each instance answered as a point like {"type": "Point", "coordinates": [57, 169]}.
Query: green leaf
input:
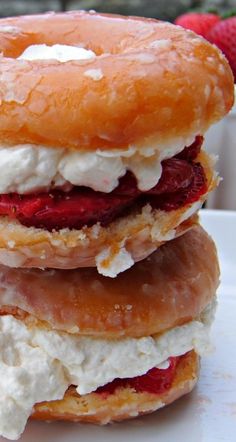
{"type": "Point", "coordinates": [229, 14]}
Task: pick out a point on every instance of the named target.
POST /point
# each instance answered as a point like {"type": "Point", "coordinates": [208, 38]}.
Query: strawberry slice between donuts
{"type": "Point", "coordinates": [155, 381]}
{"type": "Point", "coordinates": [182, 182]}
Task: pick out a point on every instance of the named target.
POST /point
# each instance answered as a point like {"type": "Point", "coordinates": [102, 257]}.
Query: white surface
{"type": "Point", "coordinates": [206, 415]}
{"type": "Point", "coordinates": [221, 140]}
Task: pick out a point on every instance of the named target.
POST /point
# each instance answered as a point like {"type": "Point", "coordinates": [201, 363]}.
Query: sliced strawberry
{"type": "Point", "coordinates": [190, 153]}
{"type": "Point", "coordinates": [172, 201]}
{"type": "Point", "coordinates": [154, 381]}
{"type": "Point", "coordinates": [176, 174]}
{"type": "Point", "coordinates": [83, 206]}
{"type": "Point", "coordinates": [181, 182]}
{"type": "Point", "coordinates": [59, 210]}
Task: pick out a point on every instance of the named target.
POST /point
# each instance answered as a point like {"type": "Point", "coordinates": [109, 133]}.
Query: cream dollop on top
{"type": "Point", "coordinates": [57, 52]}
{"type": "Point", "coordinates": [37, 364]}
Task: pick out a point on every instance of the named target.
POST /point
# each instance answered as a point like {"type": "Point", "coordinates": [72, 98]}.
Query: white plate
{"type": "Point", "coordinates": [208, 414]}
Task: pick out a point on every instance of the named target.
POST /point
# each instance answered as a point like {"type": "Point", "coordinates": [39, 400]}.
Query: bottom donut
{"type": "Point", "coordinates": [124, 402]}
{"type": "Point", "coordinates": [77, 346]}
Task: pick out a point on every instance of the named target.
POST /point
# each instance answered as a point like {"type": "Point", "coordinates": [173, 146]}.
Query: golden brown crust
{"type": "Point", "coordinates": [171, 287]}
{"type": "Point", "coordinates": [141, 232]}
{"type": "Point", "coordinates": [163, 69]}
{"type": "Point", "coordinates": [125, 403]}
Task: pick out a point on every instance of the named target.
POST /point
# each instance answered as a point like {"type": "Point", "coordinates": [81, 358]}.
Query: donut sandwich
{"type": "Point", "coordinates": [107, 281]}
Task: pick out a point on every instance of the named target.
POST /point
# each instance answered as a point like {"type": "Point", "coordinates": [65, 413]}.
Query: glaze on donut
{"type": "Point", "coordinates": [91, 304]}
{"type": "Point", "coordinates": [177, 84]}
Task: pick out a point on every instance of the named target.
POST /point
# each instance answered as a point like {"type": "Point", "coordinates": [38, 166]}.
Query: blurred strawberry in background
{"type": "Point", "coordinates": [198, 22]}
{"type": "Point", "coordinates": [217, 30]}
{"type": "Point", "coordinates": [222, 32]}
{"type": "Point", "coordinates": [223, 35]}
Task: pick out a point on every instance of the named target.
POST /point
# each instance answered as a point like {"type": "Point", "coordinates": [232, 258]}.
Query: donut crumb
{"type": "Point", "coordinates": [159, 44]}
{"type": "Point", "coordinates": [11, 244]}
{"type": "Point", "coordinates": [95, 74]}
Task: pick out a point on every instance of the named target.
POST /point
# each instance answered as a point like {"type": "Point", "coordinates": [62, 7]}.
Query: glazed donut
{"type": "Point", "coordinates": [133, 238]}
{"type": "Point", "coordinates": [101, 126]}
{"type": "Point", "coordinates": [164, 71]}
{"type": "Point", "coordinates": [87, 348]}
{"type": "Point", "coordinates": [91, 304]}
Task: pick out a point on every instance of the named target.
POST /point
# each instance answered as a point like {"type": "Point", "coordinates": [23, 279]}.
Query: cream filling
{"type": "Point", "coordinates": [39, 365]}
{"type": "Point", "coordinates": [31, 168]}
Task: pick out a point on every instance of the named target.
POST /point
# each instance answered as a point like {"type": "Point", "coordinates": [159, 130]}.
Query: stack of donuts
{"type": "Point", "coordinates": [107, 281]}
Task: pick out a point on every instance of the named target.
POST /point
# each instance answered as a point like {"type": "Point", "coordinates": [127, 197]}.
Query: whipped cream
{"type": "Point", "coordinates": [110, 263]}
{"type": "Point", "coordinates": [28, 168]}
{"type": "Point", "coordinates": [38, 364]}
{"type": "Point", "coordinates": [57, 52]}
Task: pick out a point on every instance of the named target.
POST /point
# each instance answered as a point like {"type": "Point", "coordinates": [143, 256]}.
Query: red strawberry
{"type": "Point", "coordinates": [74, 209]}
{"type": "Point", "coordinates": [188, 195]}
{"type": "Point", "coordinates": [198, 22]}
{"type": "Point", "coordinates": [181, 183]}
{"type": "Point", "coordinates": [190, 153]}
{"type": "Point", "coordinates": [223, 35]}
{"type": "Point", "coordinates": [154, 381]}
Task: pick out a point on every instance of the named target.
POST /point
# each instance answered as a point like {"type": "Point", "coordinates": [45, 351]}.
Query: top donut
{"type": "Point", "coordinates": [147, 80]}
